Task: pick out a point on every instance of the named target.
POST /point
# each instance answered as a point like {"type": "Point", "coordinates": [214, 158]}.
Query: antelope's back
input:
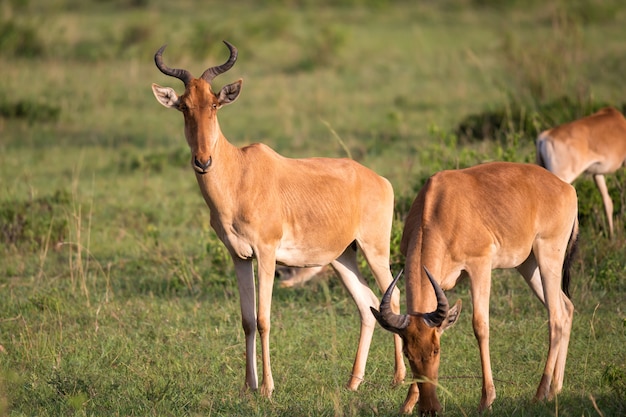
{"type": "Point", "coordinates": [577, 146]}
{"type": "Point", "coordinates": [493, 202]}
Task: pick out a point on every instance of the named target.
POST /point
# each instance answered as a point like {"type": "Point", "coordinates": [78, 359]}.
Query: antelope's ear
{"type": "Point", "coordinates": [452, 317]}
{"type": "Point", "coordinates": [229, 93]}
{"type": "Point", "coordinates": [166, 96]}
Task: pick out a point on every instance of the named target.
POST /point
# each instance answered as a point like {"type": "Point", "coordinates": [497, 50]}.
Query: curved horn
{"type": "Point", "coordinates": [213, 72]}
{"type": "Point", "coordinates": [183, 75]}
{"type": "Point", "coordinates": [387, 318]}
{"type": "Point", "coordinates": [435, 318]}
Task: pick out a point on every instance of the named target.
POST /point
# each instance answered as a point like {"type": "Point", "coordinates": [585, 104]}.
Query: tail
{"type": "Point", "coordinates": [542, 144]}
{"type": "Point", "coordinates": [572, 246]}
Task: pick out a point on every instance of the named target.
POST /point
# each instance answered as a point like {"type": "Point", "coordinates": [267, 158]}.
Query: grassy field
{"type": "Point", "coordinates": [117, 299]}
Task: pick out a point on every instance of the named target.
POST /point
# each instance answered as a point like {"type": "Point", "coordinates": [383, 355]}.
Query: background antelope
{"type": "Point", "coordinates": [595, 144]}
{"type": "Point", "coordinates": [466, 223]}
{"type": "Point", "coordinates": [294, 277]}
{"type": "Point", "coordinates": [298, 212]}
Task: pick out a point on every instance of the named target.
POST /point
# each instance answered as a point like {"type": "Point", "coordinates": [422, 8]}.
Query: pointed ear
{"type": "Point", "coordinates": [229, 93]}
{"type": "Point", "coordinates": [166, 96]}
{"type": "Point", "coordinates": [452, 317]}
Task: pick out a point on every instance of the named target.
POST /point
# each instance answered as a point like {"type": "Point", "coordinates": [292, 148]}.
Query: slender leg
{"type": "Point", "coordinates": [411, 399]}
{"type": "Point", "coordinates": [481, 289]}
{"type": "Point", "coordinates": [559, 371]}
{"type": "Point", "coordinates": [267, 267]}
{"type": "Point", "coordinates": [530, 271]}
{"type": "Point", "coordinates": [379, 264]}
{"type": "Point", "coordinates": [606, 199]}
{"type": "Point", "coordinates": [534, 281]}
{"type": "Point", "coordinates": [559, 324]}
{"type": "Point", "coordinates": [247, 299]}
{"type": "Point", "coordinates": [346, 267]}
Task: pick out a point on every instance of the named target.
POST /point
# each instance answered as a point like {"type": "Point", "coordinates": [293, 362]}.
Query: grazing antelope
{"type": "Point", "coordinates": [297, 212]}
{"type": "Point", "coordinates": [595, 144]}
{"type": "Point", "coordinates": [464, 223]}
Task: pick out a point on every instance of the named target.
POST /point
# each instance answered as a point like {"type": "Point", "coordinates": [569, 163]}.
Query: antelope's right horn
{"type": "Point", "coordinates": [386, 318]}
{"type": "Point", "coordinates": [182, 74]}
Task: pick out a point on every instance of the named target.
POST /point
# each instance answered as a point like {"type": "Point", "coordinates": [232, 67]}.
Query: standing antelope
{"type": "Point", "coordinates": [298, 212]}
{"type": "Point", "coordinates": [595, 144]}
{"type": "Point", "coordinates": [465, 223]}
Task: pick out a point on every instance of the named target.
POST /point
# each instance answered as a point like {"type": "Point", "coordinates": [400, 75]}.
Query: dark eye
{"type": "Point", "coordinates": [436, 352]}
{"type": "Point", "coordinates": [214, 105]}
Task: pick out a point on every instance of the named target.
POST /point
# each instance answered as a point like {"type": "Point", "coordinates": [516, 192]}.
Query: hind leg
{"type": "Point", "coordinates": [378, 261]}
{"type": "Point", "coordinates": [559, 370]}
{"type": "Point", "coordinates": [606, 200]}
{"type": "Point", "coordinates": [347, 269]}
{"type": "Point", "coordinates": [530, 271]}
{"type": "Point", "coordinates": [560, 312]}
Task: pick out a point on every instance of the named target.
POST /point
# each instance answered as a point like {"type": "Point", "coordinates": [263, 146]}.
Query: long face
{"type": "Point", "coordinates": [421, 334]}
{"type": "Point", "coordinates": [422, 348]}
{"type": "Point", "coordinates": [199, 105]}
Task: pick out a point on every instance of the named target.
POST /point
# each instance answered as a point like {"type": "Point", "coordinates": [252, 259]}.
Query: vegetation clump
{"type": "Point", "coordinates": [26, 109]}
{"type": "Point", "coordinates": [31, 224]}
{"type": "Point", "coordinates": [527, 121]}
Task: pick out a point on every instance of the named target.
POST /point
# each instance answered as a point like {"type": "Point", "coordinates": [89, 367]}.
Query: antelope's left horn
{"type": "Point", "coordinates": [213, 72]}
{"type": "Point", "coordinates": [435, 318]}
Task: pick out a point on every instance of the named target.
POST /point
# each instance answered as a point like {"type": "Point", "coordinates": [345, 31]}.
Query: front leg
{"type": "Point", "coordinates": [481, 289]}
{"type": "Point", "coordinates": [266, 268]}
{"type": "Point", "coordinates": [247, 300]}
{"type": "Point", "coordinates": [411, 399]}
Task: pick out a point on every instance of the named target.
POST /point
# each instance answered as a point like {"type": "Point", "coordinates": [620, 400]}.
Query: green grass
{"type": "Point", "coordinates": [117, 299]}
